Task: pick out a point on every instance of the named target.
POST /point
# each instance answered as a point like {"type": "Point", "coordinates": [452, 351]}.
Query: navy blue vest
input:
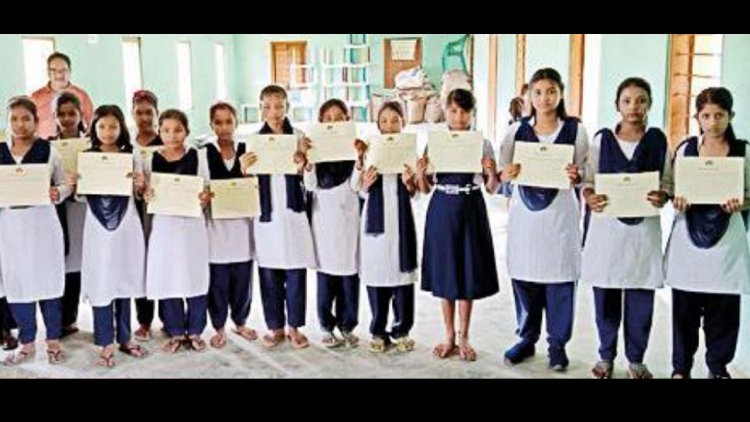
{"type": "Point", "coordinates": [109, 210]}
{"type": "Point", "coordinates": [707, 223]}
{"type": "Point", "coordinates": [649, 156]}
{"type": "Point", "coordinates": [538, 199]}
{"type": "Point", "coordinates": [216, 165]}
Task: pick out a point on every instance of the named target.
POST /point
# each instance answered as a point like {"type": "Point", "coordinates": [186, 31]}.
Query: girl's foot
{"type": "Point", "coordinates": [26, 354]}
{"type": "Point", "coordinates": [465, 351]}
{"type": "Point", "coordinates": [273, 338]}
{"type": "Point", "coordinates": [602, 370]}
{"type": "Point", "coordinates": [196, 343]}
{"type": "Point", "coordinates": [639, 371]}
{"type": "Point", "coordinates": [219, 340]}
{"type": "Point", "coordinates": [405, 344]}
{"type": "Point", "coordinates": [445, 350]}
{"type": "Point", "coordinates": [107, 357]}
{"type": "Point", "coordinates": [173, 345]}
{"type": "Point", "coordinates": [330, 341]}
{"type": "Point", "coordinates": [299, 341]}
{"type": "Point", "coordinates": [377, 345]}
{"type": "Point", "coordinates": [143, 333]}
{"type": "Point", "coordinates": [246, 332]}
{"type": "Point", "coordinates": [350, 339]}
{"type": "Point", "coordinates": [133, 350]}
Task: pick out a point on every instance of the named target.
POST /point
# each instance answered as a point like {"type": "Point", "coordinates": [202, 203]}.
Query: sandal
{"type": "Point", "coordinates": [377, 345]}
{"type": "Point", "coordinates": [9, 342]}
{"type": "Point", "coordinates": [173, 345]}
{"type": "Point", "coordinates": [445, 350]}
{"type": "Point", "coordinates": [133, 350]}
{"type": "Point", "coordinates": [19, 357]}
{"type": "Point", "coordinates": [56, 356]}
{"type": "Point", "coordinates": [405, 344]}
{"type": "Point", "coordinates": [680, 376]}
{"type": "Point", "coordinates": [196, 343]}
{"type": "Point", "coordinates": [639, 371]}
{"type": "Point", "coordinates": [273, 339]}
{"type": "Point", "coordinates": [107, 360]}
{"type": "Point", "coordinates": [603, 370]}
{"type": "Point", "coordinates": [330, 341]}
{"type": "Point", "coordinates": [247, 333]}
{"type": "Point", "coordinates": [299, 341]}
{"type": "Point", "coordinates": [350, 339]}
{"type": "Point", "coordinates": [142, 334]}
{"type": "Point", "coordinates": [218, 341]}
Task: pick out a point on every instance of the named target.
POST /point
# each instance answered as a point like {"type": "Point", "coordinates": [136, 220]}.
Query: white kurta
{"type": "Point", "coordinates": [114, 262]}
{"type": "Point", "coordinates": [230, 241]}
{"type": "Point", "coordinates": [284, 243]}
{"type": "Point", "coordinates": [724, 268]}
{"type": "Point", "coordinates": [76, 215]}
{"type": "Point", "coordinates": [380, 261]}
{"type": "Point", "coordinates": [177, 258]}
{"type": "Point", "coordinates": [31, 241]}
{"type": "Point", "coordinates": [545, 246]}
{"type": "Point", "coordinates": [617, 255]}
{"type": "Point", "coordinates": [335, 224]}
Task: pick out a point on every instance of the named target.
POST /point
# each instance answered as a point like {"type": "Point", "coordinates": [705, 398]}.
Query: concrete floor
{"type": "Point", "coordinates": [492, 332]}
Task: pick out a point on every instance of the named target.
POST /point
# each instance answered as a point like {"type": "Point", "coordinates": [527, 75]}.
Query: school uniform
{"type": "Point", "coordinates": [177, 269]}
{"type": "Point", "coordinates": [389, 256]}
{"type": "Point", "coordinates": [708, 267]}
{"type": "Point", "coordinates": [458, 260]}
{"type": "Point", "coordinates": [230, 245]}
{"type": "Point", "coordinates": [335, 229]}
{"type": "Point", "coordinates": [72, 215]}
{"type": "Point", "coordinates": [113, 265]}
{"type": "Point", "coordinates": [544, 243]}
{"type": "Point", "coordinates": [27, 230]}
{"type": "Point", "coordinates": [284, 246]}
{"type": "Point", "coordinates": [622, 257]}
{"type": "Point", "coordinates": [144, 308]}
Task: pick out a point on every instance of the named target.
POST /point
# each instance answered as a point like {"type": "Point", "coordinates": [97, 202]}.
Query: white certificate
{"type": "Point", "coordinates": [455, 152]}
{"type": "Point", "coordinates": [627, 193]}
{"type": "Point", "coordinates": [710, 180]}
{"type": "Point", "coordinates": [275, 154]}
{"type": "Point", "coordinates": [332, 142]}
{"type": "Point", "coordinates": [543, 165]}
{"type": "Point", "coordinates": [69, 150]}
{"type": "Point", "coordinates": [25, 185]}
{"type": "Point", "coordinates": [105, 174]}
{"type": "Point", "coordinates": [146, 152]}
{"type": "Point", "coordinates": [389, 153]}
{"type": "Point", "coordinates": [176, 195]}
{"type": "Point", "coordinates": [235, 198]}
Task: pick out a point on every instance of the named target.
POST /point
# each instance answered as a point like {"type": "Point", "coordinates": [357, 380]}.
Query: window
{"type": "Point", "coordinates": [221, 72]}
{"type": "Point", "coordinates": [184, 75]}
{"type": "Point", "coordinates": [695, 64]}
{"type": "Point", "coordinates": [131, 67]}
{"type": "Point", "coordinates": [284, 55]}
{"type": "Point", "coordinates": [35, 53]}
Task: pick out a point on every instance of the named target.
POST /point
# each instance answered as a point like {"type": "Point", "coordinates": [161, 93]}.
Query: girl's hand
{"type": "Point", "coordinates": [510, 172]}
{"type": "Point", "coordinates": [301, 160]}
{"type": "Point", "coordinates": [368, 178]}
{"type": "Point", "coordinates": [248, 160]}
{"type": "Point", "coordinates": [305, 144]}
{"type": "Point", "coordinates": [680, 204]}
{"type": "Point", "coordinates": [54, 194]}
{"type": "Point", "coordinates": [139, 181]}
{"type": "Point", "coordinates": [205, 198]}
{"type": "Point", "coordinates": [489, 166]}
{"type": "Point", "coordinates": [597, 203]}
{"type": "Point", "coordinates": [732, 206]}
{"type": "Point", "coordinates": [422, 165]}
{"type": "Point", "coordinates": [573, 175]}
{"type": "Point", "coordinates": [657, 198]}
{"type": "Point", "coordinates": [148, 195]}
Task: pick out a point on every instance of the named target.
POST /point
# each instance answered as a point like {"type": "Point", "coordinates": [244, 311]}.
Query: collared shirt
{"type": "Point", "coordinates": [44, 98]}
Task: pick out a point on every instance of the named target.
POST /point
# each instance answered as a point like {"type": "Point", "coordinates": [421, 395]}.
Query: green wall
{"type": "Point", "coordinates": [98, 69]}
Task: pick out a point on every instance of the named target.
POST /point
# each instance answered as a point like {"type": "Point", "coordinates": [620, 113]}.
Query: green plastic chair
{"type": "Point", "coordinates": [456, 49]}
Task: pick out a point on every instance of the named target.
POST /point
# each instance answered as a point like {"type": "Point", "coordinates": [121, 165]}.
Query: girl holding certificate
{"type": "Point", "coordinates": [177, 268]}
{"type": "Point", "coordinates": [283, 239]}
{"type": "Point", "coordinates": [69, 121]}
{"type": "Point", "coordinates": [114, 249]}
{"type": "Point", "coordinates": [622, 256]}
{"type": "Point", "coordinates": [459, 258]}
{"type": "Point", "coordinates": [544, 240]}
{"type": "Point", "coordinates": [335, 227]}
{"type": "Point", "coordinates": [37, 229]}
{"type": "Point", "coordinates": [707, 258]}
{"type": "Point", "coordinates": [389, 245]}
{"type": "Point", "coordinates": [145, 111]}
{"type": "Point", "coordinates": [230, 242]}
